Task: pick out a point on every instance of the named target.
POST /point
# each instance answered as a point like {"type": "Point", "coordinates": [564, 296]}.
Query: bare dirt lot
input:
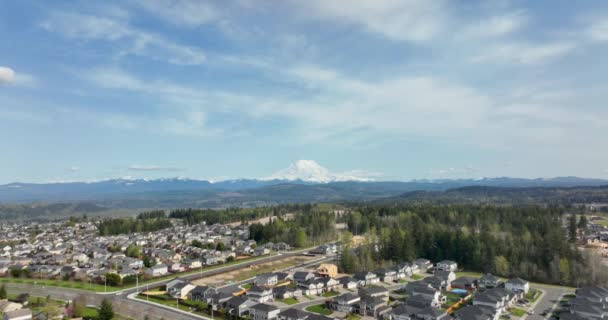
{"type": "Point", "coordinates": [250, 272]}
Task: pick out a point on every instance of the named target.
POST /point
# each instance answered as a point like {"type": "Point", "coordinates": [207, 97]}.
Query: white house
{"type": "Point", "coordinates": [447, 265]}
{"type": "Point", "coordinates": [157, 270]}
{"type": "Point", "coordinates": [262, 311]}
{"type": "Point", "coordinates": [517, 285]}
{"type": "Point", "coordinates": [259, 294]}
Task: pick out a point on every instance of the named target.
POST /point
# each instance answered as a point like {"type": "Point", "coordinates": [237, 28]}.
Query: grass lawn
{"type": "Point", "coordinates": [320, 309]}
{"type": "Point", "coordinates": [603, 222]}
{"type": "Point", "coordinates": [416, 277]}
{"type": "Point", "coordinates": [330, 294]}
{"type": "Point", "coordinates": [533, 295]}
{"type": "Point", "coordinates": [247, 286]}
{"type": "Point", "coordinates": [288, 301]}
{"type": "Point", "coordinates": [452, 298]}
{"type": "Point", "coordinates": [90, 313]}
{"type": "Point", "coordinates": [517, 312]}
{"type": "Point", "coordinates": [468, 274]}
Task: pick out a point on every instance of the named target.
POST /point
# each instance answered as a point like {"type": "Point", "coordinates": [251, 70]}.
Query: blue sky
{"type": "Point", "coordinates": [228, 89]}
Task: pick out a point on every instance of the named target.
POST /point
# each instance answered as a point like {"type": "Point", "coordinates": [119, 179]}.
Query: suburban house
{"type": "Point", "coordinates": [262, 311]}
{"type": "Point", "coordinates": [302, 276]}
{"type": "Point", "coordinates": [496, 298]}
{"type": "Point", "coordinates": [517, 285]}
{"type": "Point", "coordinates": [447, 265]}
{"type": "Point", "coordinates": [403, 270]}
{"type": "Point", "coordinates": [259, 294]}
{"type": "Point", "coordinates": [348, 282]}
{"type": "Point", "coordinates": [345, 302]}
{"type": "Point", "coordinates": [374, 292]}
{"type": "Point", "coordinates": [366, 278]}
{"type": "Point", "coordinates": [157, 270]}
{"type": "Point", "coordinates": [465, 283]}
{"type": "Point", "coordinates": [386, 275]}
{"type": "Point", "coordinates": [489, 281]}
{"type": "Point", "coordinates": [285, 292]}
{"type": "Point", "coordinates": [312, 286]}
{"type": "Point", "coordinates": [179, 288]}
{"type": "Point", "coordinates": [239, 306]}
{"type": "Point", "coordinates": [266, 279]}
{"type": "Point", "coordinates": [201, 293]}
{"type": "Point", "coordinates": [423, 264]}
{"type": "Point", "coordinates": [476, 313]}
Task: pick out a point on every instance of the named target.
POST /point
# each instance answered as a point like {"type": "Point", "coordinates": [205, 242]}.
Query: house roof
{"type": "Point", "coordinates": [294, 314]}
{"type": "Point", "coordinates": [264, 307]}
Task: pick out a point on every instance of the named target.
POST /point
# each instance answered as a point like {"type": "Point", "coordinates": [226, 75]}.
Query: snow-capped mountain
{"type": "Point", "coordinates": [311, 171]}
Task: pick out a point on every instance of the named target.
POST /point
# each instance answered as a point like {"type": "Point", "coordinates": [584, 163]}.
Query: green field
{"type": "Point", "coordinates": [320, 309]}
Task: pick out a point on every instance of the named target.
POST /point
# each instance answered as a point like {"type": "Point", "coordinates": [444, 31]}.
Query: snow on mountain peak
{"type": "Point", "coordinates": [311, 171]}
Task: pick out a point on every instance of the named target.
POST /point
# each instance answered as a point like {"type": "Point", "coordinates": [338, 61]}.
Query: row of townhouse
{"type": "Point", "coordinates": [371, 302]}
{"type": "Point", "coordinates": [589, 303]}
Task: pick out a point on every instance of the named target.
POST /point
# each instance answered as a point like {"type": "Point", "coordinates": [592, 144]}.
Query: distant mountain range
{"type": "Point", "coordinates": [248, 190]}
{"type": "Point", "coordinates": [49, 201]}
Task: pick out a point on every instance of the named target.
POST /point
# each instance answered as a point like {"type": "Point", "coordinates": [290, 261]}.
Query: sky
{"type": "Point", "coordinates": [384, 89]}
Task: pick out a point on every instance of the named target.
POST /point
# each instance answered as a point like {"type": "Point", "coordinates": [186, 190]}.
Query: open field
{"type": "Point", "coordinates": [250, 272]}
{"type": "Point", "coordinates": [101, 288]}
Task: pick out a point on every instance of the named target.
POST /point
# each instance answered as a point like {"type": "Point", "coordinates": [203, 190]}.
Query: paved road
{"type": "Point", "coordinates": [548, 301]}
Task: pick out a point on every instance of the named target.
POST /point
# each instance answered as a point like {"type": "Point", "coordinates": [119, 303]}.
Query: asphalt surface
{"type": "Point", "coordinates": [548, 301]}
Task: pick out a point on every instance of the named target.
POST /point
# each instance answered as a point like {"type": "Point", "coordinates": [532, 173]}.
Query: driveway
{"type": "Point", "coordinates": [548, 301]}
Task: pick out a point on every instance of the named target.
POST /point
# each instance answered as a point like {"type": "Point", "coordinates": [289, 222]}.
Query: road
{"type": "Point", "coordinates": [135, 308]}
{"type": "Point", "coordinates": [548, 301]}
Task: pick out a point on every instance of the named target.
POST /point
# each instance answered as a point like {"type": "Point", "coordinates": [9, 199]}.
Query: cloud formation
{"type": "Point", "coordinates": [411, 20]}
{"type": "Point", "coordinates": [138, 167]}
{"type": "Point", "coordinates": [7, 75]}
{"type": "Point", "coordinates": [112, 29]}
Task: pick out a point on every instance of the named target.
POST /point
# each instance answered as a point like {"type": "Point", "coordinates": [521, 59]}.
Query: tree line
{"type": "Point", "coordinates": [307, 227]}
{"type": "Point", "coordinates": [145, 222]}
{"type": "Point", "coordinates": [529, 242]}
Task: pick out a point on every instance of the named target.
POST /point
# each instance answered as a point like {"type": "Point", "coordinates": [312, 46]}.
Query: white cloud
{"type": "Point", "coordinates": [7, 75]}
{"type": "Point", "coordinates": [182, 12]}
{"type": "Point", "coordinates": [137, 42]}
{"type": "Point", "coordinates": [525, 53]}
{"type": "Point", "coordinates": [494, 26]}
{"type": "Point", "coordinates": [598, 30]}
{"type": "Point", "coordinates": [73, 168]}
{"type": "Point", "coordinates": [400, 20]}
{"type": "Point", "coordinates": [138, 167]}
